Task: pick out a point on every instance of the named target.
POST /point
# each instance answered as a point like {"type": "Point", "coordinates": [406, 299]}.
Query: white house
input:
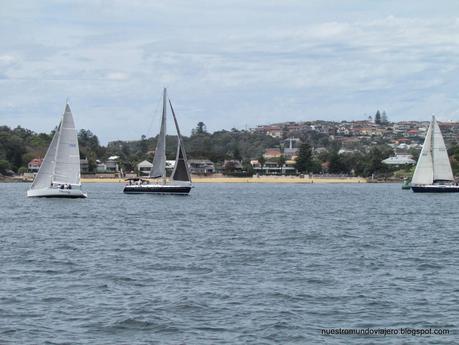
{"type": "Point", "coordinates": [144, 168]}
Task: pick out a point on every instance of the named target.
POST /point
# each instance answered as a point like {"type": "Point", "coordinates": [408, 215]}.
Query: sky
{"type": "Point", "coordinates": [230, 64]}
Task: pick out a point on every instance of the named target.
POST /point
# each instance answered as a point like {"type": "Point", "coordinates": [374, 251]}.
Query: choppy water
{"type": "Point", "coordinates": [230, 264]}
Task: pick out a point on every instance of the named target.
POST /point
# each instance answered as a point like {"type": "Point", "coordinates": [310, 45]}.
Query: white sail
{"type": "Point", "coordinates": [44, 177]}
{"type": "Point", "coordinates": [441, 165]}
{"type": "Point", "coordinates": [181, 171]}
{"type": "Point", "coordinates": [423, 174]}
{"type": "Point", "coordinates": [159, 161]}
{"type": "Point", "coordinates": [67, 157]}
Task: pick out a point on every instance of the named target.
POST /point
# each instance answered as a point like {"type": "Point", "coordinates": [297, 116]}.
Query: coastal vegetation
{"type": "Point", "coordinates": [18, 146]}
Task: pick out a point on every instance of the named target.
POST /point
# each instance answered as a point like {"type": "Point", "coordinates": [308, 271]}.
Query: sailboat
{"type": "Point", "coordinates": [433, 172]}
{"type": "Point", "coordinates": [59, 173]}
{"type": "Point", "coordinates": [180, 179]}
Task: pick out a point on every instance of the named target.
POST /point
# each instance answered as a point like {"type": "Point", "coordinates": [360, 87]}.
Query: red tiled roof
{"type": "Point", "coordinates": [36, 161]}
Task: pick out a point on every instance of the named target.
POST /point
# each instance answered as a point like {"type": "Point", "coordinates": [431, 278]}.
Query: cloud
{"type": "Point", "coordinates": [228, 64]}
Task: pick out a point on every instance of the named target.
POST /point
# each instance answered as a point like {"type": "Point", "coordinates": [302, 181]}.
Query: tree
{"type": "Point", "coordinates": [378, 118]}
{"type": "Point", "coordinates": [4, 166]}
{"type": "Point", "coordinates": [281, 161]}
{"type": "Point", "coordinates": [237, 152]}
{"type": "Point", "coordinates": [262, 161]}
{"type": "Point", "coordinates": [304, 162]}
{"type": "Point", "coordinates": [143, 144]}
{"type": "Point", "coordinates": [384, 119]}
{"type": "Point", "coordinates": [200, 129]}
{"type": "Point", "coordinates": [337, 165]}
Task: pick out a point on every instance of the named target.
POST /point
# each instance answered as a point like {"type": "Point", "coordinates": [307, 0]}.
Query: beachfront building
{"type": "Point", "coordinates": [273, 168]}
{"type": "Point", "coordinates": [399, 160]}
{"type": "Point", "coordinates": [201, 166]}
{"type": "Point", "coordinates": [109, 166]}
{"type": "Point", "coordinates": [144, 168]}
{"type": "Point", "coordinates": [34, 165]}
{"type": "Point", "coordinates": [84, 166]}
{"type": "Point", "coordinates": [272, 153]}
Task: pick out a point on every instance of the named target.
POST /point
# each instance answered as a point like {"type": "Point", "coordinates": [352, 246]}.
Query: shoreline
{"type": "Point", "coordinates": [291, 180]}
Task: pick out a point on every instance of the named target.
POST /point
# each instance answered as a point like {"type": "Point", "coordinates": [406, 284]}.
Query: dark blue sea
{"type": "Point", "coordinates": [229, 264]}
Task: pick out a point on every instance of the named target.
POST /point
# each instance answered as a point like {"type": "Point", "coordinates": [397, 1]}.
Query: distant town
{"type": "Point", "coordinates": [370, 147]}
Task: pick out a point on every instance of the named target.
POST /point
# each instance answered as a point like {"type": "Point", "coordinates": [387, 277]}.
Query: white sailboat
{"type": "Point", "coordinates": [433, 171]}
{"type": "Point", "coordinates": [180, 179]}
{"type": "Point", "coordinates": [59, 173]}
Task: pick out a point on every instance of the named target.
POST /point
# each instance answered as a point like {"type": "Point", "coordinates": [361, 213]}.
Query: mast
{"type": "Point", "coordinates": [159, 161]}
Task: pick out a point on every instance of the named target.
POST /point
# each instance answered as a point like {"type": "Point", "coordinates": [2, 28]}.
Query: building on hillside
{"type": "Point", "coordinates": [291, 147]}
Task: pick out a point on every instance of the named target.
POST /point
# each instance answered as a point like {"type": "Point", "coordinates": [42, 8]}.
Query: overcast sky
{"type": "Point", "coordinates": [226, 63]}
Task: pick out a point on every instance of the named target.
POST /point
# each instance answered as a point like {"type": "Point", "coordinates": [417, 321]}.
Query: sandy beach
{"type": "Point", "coordinates": [261, 179]}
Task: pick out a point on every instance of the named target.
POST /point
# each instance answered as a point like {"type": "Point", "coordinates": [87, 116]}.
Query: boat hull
{"type": "Point", "coordinates": [158, 189]}
{"type": "Point", "coordinates": [57, 193]}
{"type": "Point", "coordinates": [435, 189]}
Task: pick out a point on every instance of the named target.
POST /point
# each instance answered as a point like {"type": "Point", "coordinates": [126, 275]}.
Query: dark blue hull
{"type": "Point", "coordinates": [176, 190]}
{"type": "Point", "coordinates": [435, 189]}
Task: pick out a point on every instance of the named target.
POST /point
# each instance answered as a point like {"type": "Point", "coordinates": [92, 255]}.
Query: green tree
{"type": "Point", "coordinates": [200, 129]}
{"type": "Point", "coordinates": [4, 166]}
{"type": "Point", "coordinates": [384, 119]}
{"type": "Point", "coordinates": [262, 161]}
{"type": "Point", "coordinates": [281, 160]}
{"type": "Point", "coordinates": [378, 118]}
{"type": "Point", "coordinates": [304, 163]}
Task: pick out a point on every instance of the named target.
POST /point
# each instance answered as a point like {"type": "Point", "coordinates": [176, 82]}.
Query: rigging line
{"type": "Point", "coordinates": [155, 117]}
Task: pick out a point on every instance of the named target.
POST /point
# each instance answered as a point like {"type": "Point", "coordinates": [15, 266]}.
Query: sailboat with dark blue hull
{"type": "Point", "coordinates": [433, 172]}
{"type": "Point", "coordinates": [180, 179]}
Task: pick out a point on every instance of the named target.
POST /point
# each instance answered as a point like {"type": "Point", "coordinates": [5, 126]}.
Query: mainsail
{"type": "Point", "coordinates": [159, 161]}
{"type": "Point", "coordinates": [44, 177]}
{"type": "Point", "coordinates": [62, 160]}
{"type": "Point", "coordinates": [180, 172]}
{"type": "Point", "coordinates": [67, 161]}
{"type": "Point", "coordinates": [433, 164]}
{"type": "Point", "coordinates": [441, 166]}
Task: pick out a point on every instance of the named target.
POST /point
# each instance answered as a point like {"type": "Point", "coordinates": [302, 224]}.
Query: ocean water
{"type": "Point", "coordinates": [229, 264]}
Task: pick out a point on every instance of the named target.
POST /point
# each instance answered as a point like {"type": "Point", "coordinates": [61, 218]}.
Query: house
{"type": "Point", "coordinates": [170, 165]}
{"type": "Point", "coordinates": [399, 160]}
{"type": "Point", "coordinates": [201, 166]}
{"type": "Point", "coordinates": [34, 165]}
{"type": "Point", "coordinates": [273, 168]}
{"type": "Point", "coordinates": [272, 153]}
{"type": "Point", "coordinates": [109, 166]}
{"type": "Point", "coordinates": [144, 168]}
{"type": "Point", "coordinates": [84, 166]}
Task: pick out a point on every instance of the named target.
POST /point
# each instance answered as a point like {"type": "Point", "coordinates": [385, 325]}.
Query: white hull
{"type": "Point", "coordinates": [56, 193]}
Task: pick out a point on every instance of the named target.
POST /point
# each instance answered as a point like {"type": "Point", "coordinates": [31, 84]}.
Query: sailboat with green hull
{"type": "Point", "coordinates": [180, 179]}
{"type": "Point", "coordinates": [433, 173]}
